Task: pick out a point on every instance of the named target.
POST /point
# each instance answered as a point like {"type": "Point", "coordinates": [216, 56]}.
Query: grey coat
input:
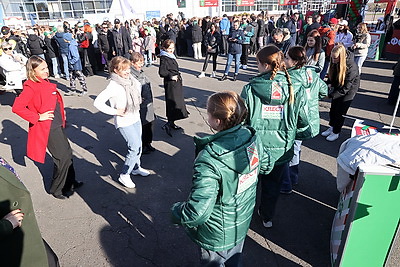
{"type": "Point", "coordinates": [146, 107]}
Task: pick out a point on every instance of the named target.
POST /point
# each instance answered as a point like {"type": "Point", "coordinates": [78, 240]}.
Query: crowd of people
{"type": "Point", "coordinates": [258, 133]}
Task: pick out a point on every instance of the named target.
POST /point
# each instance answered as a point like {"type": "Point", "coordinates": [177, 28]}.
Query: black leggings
{"type": "Point", "coordinates": [214, 56]}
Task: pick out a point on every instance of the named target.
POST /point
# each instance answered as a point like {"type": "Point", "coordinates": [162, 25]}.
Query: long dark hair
{"type": "Point", "coordinates": [298, 54]}
{"type": "Point", "coordinates": [318, 43]}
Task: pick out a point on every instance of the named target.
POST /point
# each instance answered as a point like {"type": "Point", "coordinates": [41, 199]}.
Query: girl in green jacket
{"type": "Point", "coordinates": [276, 111]}
{"type": "Point", "coordinates": [218, 212]}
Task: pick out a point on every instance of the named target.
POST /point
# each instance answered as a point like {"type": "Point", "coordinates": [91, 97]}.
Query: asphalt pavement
{"type": "Point", "coordinates": [106, 224]}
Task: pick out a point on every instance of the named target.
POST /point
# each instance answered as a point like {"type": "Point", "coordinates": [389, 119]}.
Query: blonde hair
{"type": "Point", "coordinates": [228, 107]}
{"type": "Point", "coordinates": [339, 68]}
{"type": "Point", "coordinates": [31, 65]}
{"type": "Point", "coordinates": [119, 63]}
{"type": "Point", "coordinates": [363, 27]}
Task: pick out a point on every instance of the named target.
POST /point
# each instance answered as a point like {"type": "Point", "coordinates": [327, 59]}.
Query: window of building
{"type": "Point", "coordinates": [99, 5]}
{"type": "Point", "coordinates": [30, 7]}
{"type": "Point", "coordinates": [68, 15]}
{"type": "Point", "coordinates": [88, 5]}
{"type": "Point", "coordinates": [66, 6]}
{"type": "Point", "coordinates": [77, 6]}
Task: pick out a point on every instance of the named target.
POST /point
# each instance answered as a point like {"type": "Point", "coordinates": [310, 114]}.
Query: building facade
{"type": "Point", "coordinates": [53, 10]}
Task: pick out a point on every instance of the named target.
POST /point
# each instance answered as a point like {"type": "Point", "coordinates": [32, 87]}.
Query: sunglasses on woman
{"type": "Point", "coordinates": [7, 48]}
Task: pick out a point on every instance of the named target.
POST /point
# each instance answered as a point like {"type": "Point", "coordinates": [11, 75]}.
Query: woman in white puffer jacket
{"type": "Point", "coordinates": [13, 66]}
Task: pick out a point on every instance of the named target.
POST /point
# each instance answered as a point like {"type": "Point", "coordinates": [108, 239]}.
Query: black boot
{"type": "Point", "coordinates": [234, 77]}
{"type": "Point", "coordinates": [223, 77]}
{"type": "Point", "coordinates": [167, 128]}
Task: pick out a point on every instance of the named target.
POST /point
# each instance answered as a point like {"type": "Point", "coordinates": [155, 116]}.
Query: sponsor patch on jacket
{"type": "Point", "coordinates": [276, 92]}
{"type": "Point", "coordinates": [272, 112]}
{"type": "Point", "coordinates": [246, 180]}
{"type": "Point", "coordinates": [252, 154]}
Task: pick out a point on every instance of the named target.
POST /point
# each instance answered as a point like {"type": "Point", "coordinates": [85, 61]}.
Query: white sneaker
{"type": "Point", "coordinates": [332, 137]}
{"type": "Point", "coordinates": [244, 67]}
{"type": "Point", "coordinates": [213, 74]}
{"type": "Point", "coordinates": [56, 76]}
{"type": "Point", "coordinates": [327, 132]}
{"type": "Point", "coordinates": [140, 171]}
{"type": "Point", "coordinates": [125, 179]}
{"type": "Point", "coordinates": [201, 75]}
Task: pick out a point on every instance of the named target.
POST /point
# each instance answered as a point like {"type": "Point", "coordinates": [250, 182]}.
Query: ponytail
{"type": "Point", "coordinates": [291, 90]}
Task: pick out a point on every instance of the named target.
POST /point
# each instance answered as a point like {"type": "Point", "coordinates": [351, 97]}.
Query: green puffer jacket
{"type": "Point", "coordinates": [277, 123]}
{"type": "Point", "coordinates": [315, 89]}
{"type": "Point", "coordinates": [218, 211]}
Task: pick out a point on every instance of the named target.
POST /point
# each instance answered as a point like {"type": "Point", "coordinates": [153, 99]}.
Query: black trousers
{"type": "Point", "coordinates": [63, 173]}
{"type": "Point", "coordinates": [245, 54]}
{"type": "Point", "coordinates": [339, 107]}
{"type": "Point", "coordinates": [270, 189]}
{"type": "Point", "coordinates": [394, 90]}
{"type": "Point", "coordinates": [147, 133]}
{"type": "Point", "coordinates": [214, 56]}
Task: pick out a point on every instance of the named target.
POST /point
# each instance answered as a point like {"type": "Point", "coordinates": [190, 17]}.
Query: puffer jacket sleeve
{"type": "Point", "coordinates": [20, 106]}
{"type": "Point", "coordinates": [200, 204]}
{"type": "Point", "coordinates": [303, 131]}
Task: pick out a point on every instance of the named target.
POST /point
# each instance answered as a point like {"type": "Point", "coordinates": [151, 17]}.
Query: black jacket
{"type": "Point", "coordinates": [197, 35]}
{"type": "Point", "coordinates": [126, 40]}
{"type": "Point", "coordinates": [261, 28]}
{"type": "Point", "coordinates": [105, 41]}
{"type": "Point", "coordinates": [213, 40]}
{"type": "Point", "coordinates": [35, 44]}
{"type": "Point", "coordinates": [351, 81]}
{"type": "Point", "coordinates": [51, 47]}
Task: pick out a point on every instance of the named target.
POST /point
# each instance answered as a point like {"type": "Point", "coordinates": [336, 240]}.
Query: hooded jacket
{"type": "Point", "coordinates": [73, 53]}
{"type": "Point", "coordinates": [197, 35]}
{"type": "Point", "coordinates": [35, 44]}
{"type": "Point", "coordinates": [277, 122]}
{"type": "Point", "coordinates": [315, 89]}
{"type": "Point", "coordinates": [63, 45]}
{"type": "Point", "coordinates": [225, 26]}
{"type": "Point", "coordinates": [218, 211]}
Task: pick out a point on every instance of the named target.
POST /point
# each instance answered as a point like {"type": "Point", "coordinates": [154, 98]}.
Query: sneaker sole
{"type": "Point", "coordinates": [119, 179]}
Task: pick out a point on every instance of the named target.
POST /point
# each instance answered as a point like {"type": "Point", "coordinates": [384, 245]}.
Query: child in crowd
{"type": "Point", "coordinates": [75, 67]}
{"type": "Point", "coordinates": [123, 94]}
{"type": "Point", "coordinates": [149, 47]}
{"type": "Point", "coordinates": [277, 112]}
{"type": "Point", "coordinates": [316, 89]}
{"type": "Point", "coordinates": [218, 212]}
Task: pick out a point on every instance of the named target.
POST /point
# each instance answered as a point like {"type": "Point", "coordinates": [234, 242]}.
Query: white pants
{"type": "Point", "coordinates": [197, 50]}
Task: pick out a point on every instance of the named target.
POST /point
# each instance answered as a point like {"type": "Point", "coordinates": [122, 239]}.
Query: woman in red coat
{"type": "Point", "coordinates": [42, 106]}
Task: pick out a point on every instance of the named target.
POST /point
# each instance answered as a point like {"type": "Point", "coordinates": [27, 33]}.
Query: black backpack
{"type": "Point", "coordinates": [325, 40]}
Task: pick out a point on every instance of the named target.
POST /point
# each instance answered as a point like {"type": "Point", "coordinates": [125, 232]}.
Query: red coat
{"type": "Point", "coordinates": [37, 98]}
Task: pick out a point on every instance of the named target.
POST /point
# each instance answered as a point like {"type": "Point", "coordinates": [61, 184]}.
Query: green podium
{"type": "Point", "coordinates": [366, 230]}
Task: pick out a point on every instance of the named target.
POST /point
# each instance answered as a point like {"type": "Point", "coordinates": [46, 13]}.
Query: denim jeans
{"type": "Point", "coordinates": [56, 68]}
{"type": "Point", "coordinates": [133, 137]}
{"type": "Point", "coordinates": [270, 190]}
{"type": "Point", "coordinates": [290, 176]}
{"type": "Point", "coordinates": [148, 58]}
{"type": "Point", "coordinates": [229, 62]}
{"type": "Point", "coordinates": [65, 64]}
{"type": "Point", "coordinates": [231, 257]}
{"type": "Point", "coordinates": [325, 69]}
{"type": "Point", "coordinates": [42, 56]}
